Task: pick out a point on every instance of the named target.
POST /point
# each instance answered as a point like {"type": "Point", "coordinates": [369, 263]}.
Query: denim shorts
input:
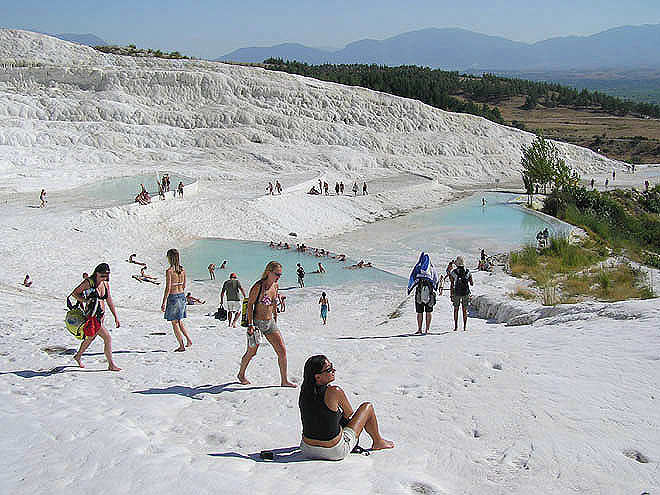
{"type": "Point", "coordinates": [346, 443]}
{"type": "Point", "coordinates": [176, 307]}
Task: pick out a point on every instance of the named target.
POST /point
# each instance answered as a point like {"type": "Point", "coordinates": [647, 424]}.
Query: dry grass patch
{"type": "Point", "coordinates": [570, 273]}
{"type": "Point", "coordinates": [524, 293]}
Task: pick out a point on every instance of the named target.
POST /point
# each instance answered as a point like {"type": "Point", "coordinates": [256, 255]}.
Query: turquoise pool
{"type": "Point", "coordinates": [463, 227]}
{"type": "Point", "coordinates": [122, 190]}
{"type": "Point", "coordinates": [248, 260]}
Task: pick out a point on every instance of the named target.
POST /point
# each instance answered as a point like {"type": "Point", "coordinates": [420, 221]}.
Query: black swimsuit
{"type": "Point", "coordinates": [93, 306]}
{"type": "Point", "coordinates": [319, 422]}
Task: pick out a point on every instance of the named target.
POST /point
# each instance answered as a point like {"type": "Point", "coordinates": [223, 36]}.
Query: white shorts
{"type": "Point", "coordinates": [234, 306]}
{"type": "Point", "coordinates": [346, 443]}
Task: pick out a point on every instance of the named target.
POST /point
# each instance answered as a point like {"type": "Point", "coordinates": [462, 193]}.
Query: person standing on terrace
{"type": "Point", "coordinates": [232, 287]}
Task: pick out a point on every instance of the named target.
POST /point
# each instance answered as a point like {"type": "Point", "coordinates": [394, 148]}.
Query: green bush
{"type": "Point", "coordinates": [651, 259]}
{"type": "Point", "coordinates": [625, 219]}
{"type": "Point", "coordinates": [646, 292]}
{"type": "Point", "coordinates": [526, 256]}
{"type": "Point", "coordinates": [604, 279]}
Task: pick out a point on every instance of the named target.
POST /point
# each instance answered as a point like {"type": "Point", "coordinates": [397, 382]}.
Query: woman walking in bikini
{"type": "Point", "coordinates": [93, 292]}
{"type": "Point", "coordinates": [262, 321]}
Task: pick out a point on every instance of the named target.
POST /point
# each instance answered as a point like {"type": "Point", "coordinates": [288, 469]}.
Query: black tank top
{"type": "Point", "coordinates": [319, 422]}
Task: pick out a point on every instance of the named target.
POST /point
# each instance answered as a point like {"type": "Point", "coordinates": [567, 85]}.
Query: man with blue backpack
{"type": "Point", "coordinates": [461, 279]}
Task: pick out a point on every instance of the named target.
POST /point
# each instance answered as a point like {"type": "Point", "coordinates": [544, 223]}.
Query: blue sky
{"type": "Point", "coordinates": [209, 29]}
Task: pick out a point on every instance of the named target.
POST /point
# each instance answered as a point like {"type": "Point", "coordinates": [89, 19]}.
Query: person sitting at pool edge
{"type": "Point", "coordinates": [143, 277]}
{"type": "Point", "coordinates": [325, 408]}
{"type": "Point", "coordinates": [191, 300]}
{"type": "Point", "coordinates": [131, 259]}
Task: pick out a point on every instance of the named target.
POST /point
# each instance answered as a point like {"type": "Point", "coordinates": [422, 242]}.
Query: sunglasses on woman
{"type": "Point", "coordinates": [331, 369]}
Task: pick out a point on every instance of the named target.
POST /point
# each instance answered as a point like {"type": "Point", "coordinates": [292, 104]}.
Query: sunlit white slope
{"type": "Point", "coordinates": [69, 107]}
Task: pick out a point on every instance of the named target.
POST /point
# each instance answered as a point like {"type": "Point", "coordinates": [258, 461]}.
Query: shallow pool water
{"type": "Point", "coordinates": [463, 227]}
{"type": "Point", "coordinates": [248, 260]}
{"type": "Point", "coordinates": [122, 190]}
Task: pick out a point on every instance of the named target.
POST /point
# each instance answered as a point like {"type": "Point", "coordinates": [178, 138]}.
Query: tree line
{"type": "Point", "coordinates": [133, 51]}
{"type": "Point", "coordinates": [452, 91]}
{"type": "Point", "coordinates": [433, 87]}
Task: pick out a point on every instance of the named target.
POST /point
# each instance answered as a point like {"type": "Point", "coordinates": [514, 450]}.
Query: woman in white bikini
{"type": "Point", "coordinates": [262, 321]}
{"type": "Point", "coordinates": [174, 300]}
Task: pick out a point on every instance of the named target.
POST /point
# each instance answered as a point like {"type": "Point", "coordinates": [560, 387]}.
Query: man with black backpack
{"type": "Point", "coordinates": [461, 280]}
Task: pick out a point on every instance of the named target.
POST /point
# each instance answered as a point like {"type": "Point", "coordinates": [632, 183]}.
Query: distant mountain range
{"type": "Point", "coordinates": [81, 39]}
{"type": "Point", "coordinates": [459, 49]}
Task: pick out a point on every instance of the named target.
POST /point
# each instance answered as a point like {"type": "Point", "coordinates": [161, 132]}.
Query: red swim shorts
{"type": "Point", "coordinates": [92, 326]}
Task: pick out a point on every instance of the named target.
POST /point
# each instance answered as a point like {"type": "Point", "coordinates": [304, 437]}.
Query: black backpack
{"type": "Point", "coordinates": [461, 288]}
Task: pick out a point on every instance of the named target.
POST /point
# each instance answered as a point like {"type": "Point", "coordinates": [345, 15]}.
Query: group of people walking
{"type": "Point", "coordinates": [277, 188]}
{"type": "Point", "coordinates": [144, 198]}
{"type": "Point", "coordinates": [263, 304]}
{"type": "Point", "coordinates": [324, 188]}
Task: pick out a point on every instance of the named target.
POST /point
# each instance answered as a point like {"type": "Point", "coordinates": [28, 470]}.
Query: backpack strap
{"type": "Point", "coordinates": [77, 305]}
{"type": "Point", "coordinates": [256, 301]}
{"type": "Point", "coordinates": [68, 302]}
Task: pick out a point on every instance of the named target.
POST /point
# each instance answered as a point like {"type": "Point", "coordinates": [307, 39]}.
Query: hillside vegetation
{"type": "Point", "coordinates": [625, 219]}
{"type": "Point", "coordinates": [620, 222]}
{"type": "Point", "coordinates": [620, 129]}
{"type": "Point", "coordinates": [133, 51]}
